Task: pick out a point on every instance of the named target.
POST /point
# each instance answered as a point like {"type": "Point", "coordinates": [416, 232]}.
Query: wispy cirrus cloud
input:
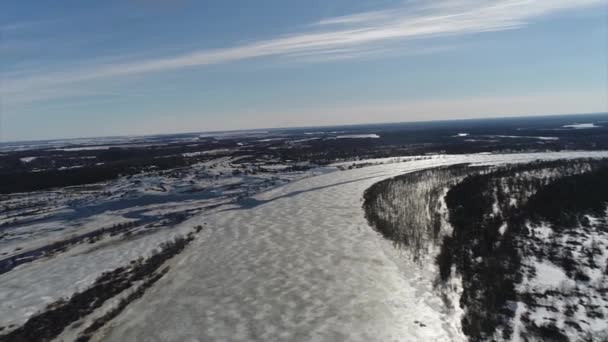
{"type": "Point", "coordinates": [345, 36]}
{"type": "Point", "coordinates": [365, 17]}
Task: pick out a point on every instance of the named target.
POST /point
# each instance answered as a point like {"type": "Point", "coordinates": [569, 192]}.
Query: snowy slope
{"type": "Point", "coordinates": [299, 263]}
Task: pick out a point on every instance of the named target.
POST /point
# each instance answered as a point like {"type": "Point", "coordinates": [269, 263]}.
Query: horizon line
{"type": "Point", "coordinates": [302, 127]}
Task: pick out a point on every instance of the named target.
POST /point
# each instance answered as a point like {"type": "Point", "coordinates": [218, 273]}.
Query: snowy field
{"type": "Point", "coordinates": [299, 262]}
{"type": "Point", "coordinates": [572, 306]}
{"type": "Point", "coordinates": [158, 205]}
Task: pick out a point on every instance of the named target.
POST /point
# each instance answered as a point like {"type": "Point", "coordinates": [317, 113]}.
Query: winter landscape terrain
{"type": "Point", "coordinates": [448, 231]}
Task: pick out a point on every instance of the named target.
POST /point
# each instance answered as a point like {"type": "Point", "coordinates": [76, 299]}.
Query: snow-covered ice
{"type": "Point", "coordinates": [299, 262]}
{"type": "Point", "coordinates": [358, 136]}
{"type": "Point", "coordinates": [581, 126]}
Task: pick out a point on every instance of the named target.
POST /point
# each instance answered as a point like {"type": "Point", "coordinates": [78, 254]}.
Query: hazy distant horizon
{"type": "Point", "coordinates": [263, 129]}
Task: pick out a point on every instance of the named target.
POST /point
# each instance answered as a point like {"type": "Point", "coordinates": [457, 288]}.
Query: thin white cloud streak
{"type": "Point", "coordinates": [365, 54]}
{"type": "Point", "coordinates": [354, 34]}
{"type": "Point", "coordinates": [365, 17]}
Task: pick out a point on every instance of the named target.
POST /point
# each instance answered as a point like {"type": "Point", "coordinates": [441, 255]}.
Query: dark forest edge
{"type": "Point", "coordinates": [416, 223]}
{"type": "Point", "coordinates": [481, 203]}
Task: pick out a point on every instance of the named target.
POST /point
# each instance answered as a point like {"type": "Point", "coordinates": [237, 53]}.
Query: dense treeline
{"type": "Point", "coordinates": [24, 181]}
{"type": "Point", "coordinates": [481, 205]}
{"type": "Point", "coordinates": [488, 284]}
{"type": "Point", "coordinates": [566, 201]}
{"type": "Point", "coordinates": [485, 253]}
{"type": "Point", "coordinates": [405, 209]}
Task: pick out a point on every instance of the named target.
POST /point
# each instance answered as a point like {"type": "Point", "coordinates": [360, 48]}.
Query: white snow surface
{"type": "Point", "coordinates": [581, 126]}
{"type": "Point", "coordinates": [30, 287]}
{"type": "Point", "coordinates": [520, 137]}
{"type": "Point", "coordinates": [548, 275]}
{"type": "Point", "coordinates": [358, 136]}
{"type": "Point", "coordinates": [27, 159]}
{"type": "Point", "coordinates": [299, 263]}
{"type": "Point", "coordinates": [567, 300]}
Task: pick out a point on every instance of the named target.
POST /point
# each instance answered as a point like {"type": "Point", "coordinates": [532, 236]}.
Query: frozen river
{"type": "Point", "coordinates": [300, 263]}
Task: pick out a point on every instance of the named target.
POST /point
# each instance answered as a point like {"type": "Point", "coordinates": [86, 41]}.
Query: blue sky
{"type": "Point", "coordinates": [95, 68]}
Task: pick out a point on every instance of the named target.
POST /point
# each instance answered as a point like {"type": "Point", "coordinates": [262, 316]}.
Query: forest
{"type": "Point", "coordinates": [490, 215]}
{"type": "Point", "coordinates": [481, 222]}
